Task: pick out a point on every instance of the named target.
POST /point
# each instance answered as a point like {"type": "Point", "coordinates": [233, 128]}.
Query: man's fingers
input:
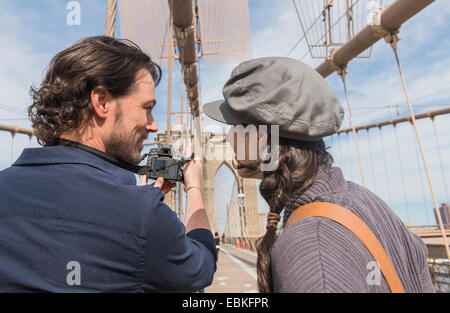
{"type": "Point", "coordinates": [159, 182]}
{"type": "Point", "coordinates": [164, 186]}
{"type": "Point", "coordinates": [167, 188]}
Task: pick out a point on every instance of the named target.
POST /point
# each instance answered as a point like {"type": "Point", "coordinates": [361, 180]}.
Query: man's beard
{"type": "Point", "coordinates": [125, 146]}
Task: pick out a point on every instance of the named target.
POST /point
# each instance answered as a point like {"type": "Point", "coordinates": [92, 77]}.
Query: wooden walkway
{"type": "Point", "coordinates": [236, 271]}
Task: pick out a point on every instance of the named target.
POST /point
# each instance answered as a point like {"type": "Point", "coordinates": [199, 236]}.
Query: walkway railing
{"type": "Point", "coordinates": [440, 274]}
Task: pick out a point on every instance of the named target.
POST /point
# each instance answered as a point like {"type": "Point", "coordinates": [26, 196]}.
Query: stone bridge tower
{"type": "Point", "coordinates": [217, 152]}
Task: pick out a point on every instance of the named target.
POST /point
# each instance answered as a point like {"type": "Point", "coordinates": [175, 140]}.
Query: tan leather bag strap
{"type": "Point", "coordinates": [359, 228]}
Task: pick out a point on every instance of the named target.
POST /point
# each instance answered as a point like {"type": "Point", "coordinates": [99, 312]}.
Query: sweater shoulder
{"type": "Point", "coordinates": [317, 254]}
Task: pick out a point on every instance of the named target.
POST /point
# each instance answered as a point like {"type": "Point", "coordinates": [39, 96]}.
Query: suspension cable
{"type": "Point", "coordinates": [232, 214]}
{"type": "Point", "coordinates": [440, 159]}
{"type": "Point", "coordinates": [385, 167]}
{"type": "Point", "coordinates": [419, 168]}
{"type": "Point", "coordinates": [341, 70]}
{"type": "Point", "coordinates": [303, 28]}
{"type": "Point", "coordinates": [13, 134]}
{"type": "Point", "coordinates": [110, 23]}
{"type": "Point", "coordinates": [402, 174]}
{"type": "Point", "coordinates": [351, 162]}
{"type": "Point", "coordinates": [341, 155]}
{"type": "Point", "coordinates": [371, 160]}
{"type": "Point", "coordinates": [392, 38]}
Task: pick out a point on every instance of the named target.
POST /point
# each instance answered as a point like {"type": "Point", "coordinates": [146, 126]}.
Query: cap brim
{"type": "Point", "coordinates": [221, 112]}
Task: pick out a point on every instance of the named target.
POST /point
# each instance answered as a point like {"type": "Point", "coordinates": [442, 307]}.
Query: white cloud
{"type": "Point", "coordinates": [21, 66]}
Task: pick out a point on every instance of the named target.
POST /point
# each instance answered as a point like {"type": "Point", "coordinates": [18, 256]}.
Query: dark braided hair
{"type": "Point", "coordinates": [298, 165]}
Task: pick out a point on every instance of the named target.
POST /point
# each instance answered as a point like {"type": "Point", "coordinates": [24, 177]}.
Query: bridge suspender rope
{"type": "Point", "coordinates": [183, 150]}
{"type": "Point", "coordinates": [13, 134]}
{"type": "Point", "coordinates": [350, 159]}
{"type": "Point", "coordinates": [16, 130]}
{"type": "Point", "coordinates": [385, 167]}
{"type": "Point", "coordinates": [341, 70]}
{"type": "Point", "coordinates": [371, 160]}
{"type": "Point", "coordinates": [169, 77]}
{"type": "Point", "coordinates": [392, 38]}
{"type": "Point", "coordinates": [440, 158]}
{"type": "Point", "coordinates": [334, 145]}
{"type": "Point", "coordinates": [110, 23]}
{"type": "Point", "coordinates": [402, 175]}
{"type": "Point", "coordinates": [416, 150]}
{"type": "Point", "coordinates": [339, 144]}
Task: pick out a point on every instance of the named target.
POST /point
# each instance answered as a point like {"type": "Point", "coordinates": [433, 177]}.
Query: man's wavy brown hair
{"type": "Point", "coordinates": [62, 103]}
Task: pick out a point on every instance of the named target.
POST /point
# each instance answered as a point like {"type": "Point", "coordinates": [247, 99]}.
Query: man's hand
{"type": "Point", "coordinates": [159, 183]}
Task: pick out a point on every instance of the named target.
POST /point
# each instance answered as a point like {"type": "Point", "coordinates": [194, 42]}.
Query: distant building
{"type": "Point", "coordinates": [445, 214]}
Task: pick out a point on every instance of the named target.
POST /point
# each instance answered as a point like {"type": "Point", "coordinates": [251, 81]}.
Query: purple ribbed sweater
{"type": "Point", "coordinates": [316, 254]}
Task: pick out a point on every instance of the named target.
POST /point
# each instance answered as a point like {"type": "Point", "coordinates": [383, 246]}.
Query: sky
{"type": "Point", "coordinates": [32, 32]}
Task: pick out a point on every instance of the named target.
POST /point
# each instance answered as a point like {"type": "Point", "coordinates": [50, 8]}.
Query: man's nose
{"type": "Point", "coordinates": [151, 126]}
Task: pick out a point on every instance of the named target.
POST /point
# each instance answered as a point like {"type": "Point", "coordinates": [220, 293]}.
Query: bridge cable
{"type": "Point", "coordinates": [419, 168]}
{"type": "Point", "coordinates": [392, 38]}
{"type": "Point", "coordinates": [13, 134]}
{"type": "Point", "coordinates": [371, 160]}
{"type": "Point", "coordinates": [342, 71]}
{"type": "Point", "coordinates": [402, 174]}
{"type": "Point", "coordinates": [385, 166]}
{"type": "Point", "coordinates": [350, 158]}
{"type": "Point", "coordinates": [110, 21]}
{"type": "Point", "coordinates": [339, 144]}
{"type": "Point", "coordinates": [304, 32]}
{"type": "Point", "coordinates": [232, 225]}
{"type": "Point", "coordinates": [227, 223]}
{"type": "Point", "coordinates": [440, 159]}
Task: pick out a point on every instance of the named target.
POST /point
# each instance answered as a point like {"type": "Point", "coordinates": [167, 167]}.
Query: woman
{"type": "Point", "coordinates": [315, 254]}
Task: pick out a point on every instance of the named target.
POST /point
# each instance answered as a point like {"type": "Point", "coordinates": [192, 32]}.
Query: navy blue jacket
{"type": "Point", "coordinates": [61, 206]}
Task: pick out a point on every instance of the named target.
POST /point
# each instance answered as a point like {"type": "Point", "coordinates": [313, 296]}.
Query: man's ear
{"type": "Point", "coordinates": [101, 101]}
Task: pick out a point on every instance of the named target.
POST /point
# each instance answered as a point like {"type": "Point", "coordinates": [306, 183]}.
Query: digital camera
{"type": "Point", "coordinates": [164, 162]}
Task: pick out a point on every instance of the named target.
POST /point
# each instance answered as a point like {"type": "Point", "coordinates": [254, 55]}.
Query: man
{"type": "Point", "coordinates": [71, 216]}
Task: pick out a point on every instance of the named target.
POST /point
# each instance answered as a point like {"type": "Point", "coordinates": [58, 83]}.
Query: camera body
{"type": "Point", "coordinates": [161, 163]}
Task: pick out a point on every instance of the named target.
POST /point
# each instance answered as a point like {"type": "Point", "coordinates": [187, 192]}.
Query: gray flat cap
{"type": "Point", "coordinates": [279, 91]}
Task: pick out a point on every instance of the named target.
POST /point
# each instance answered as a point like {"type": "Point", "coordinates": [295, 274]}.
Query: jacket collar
{"type": "Point", "coordinates": [71, 155]}
{"type": "Point", "coordinates": [328, 180]}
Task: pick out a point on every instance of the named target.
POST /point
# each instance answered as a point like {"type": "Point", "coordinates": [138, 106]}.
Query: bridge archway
{"type": "Point", "coordinates": [226, 192]}
{"type": "Point", "coordinates": [218, 152]}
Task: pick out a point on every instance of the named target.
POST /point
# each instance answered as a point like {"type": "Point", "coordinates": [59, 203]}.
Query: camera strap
{"type": "Point", "coordinates": [140, 170]}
